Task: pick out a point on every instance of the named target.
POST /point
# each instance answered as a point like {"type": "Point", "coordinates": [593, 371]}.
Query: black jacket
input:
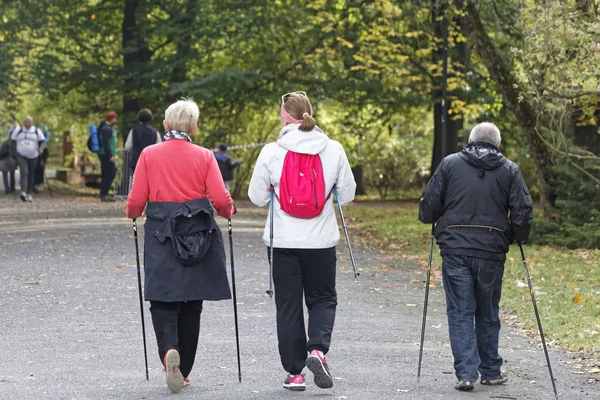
{"type": "Point", "coordinates": [142, 136]}
{"type": "Point", "coordinates": [184, 253]}
{"type": "Point", "coordinates": [226, 166]}
{"type": "Point", "coordinates": [105, 132]}
{"type": "Point", "coordinates": [469, 198]}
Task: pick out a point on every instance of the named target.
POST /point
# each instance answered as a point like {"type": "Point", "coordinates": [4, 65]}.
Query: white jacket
{"type": "Point", "coordinates": [294, 233]}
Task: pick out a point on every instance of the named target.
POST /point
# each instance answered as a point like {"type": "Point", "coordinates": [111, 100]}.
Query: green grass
{"type": "Point", "coordinates": [566, 282]}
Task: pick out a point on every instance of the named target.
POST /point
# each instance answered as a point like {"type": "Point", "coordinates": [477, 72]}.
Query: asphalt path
{"type": "Point", "coordinates": [70, 324]}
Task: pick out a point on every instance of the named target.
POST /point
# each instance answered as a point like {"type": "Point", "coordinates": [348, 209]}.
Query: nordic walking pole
{"type": "Point", "coordinates": [137, 258]}
{"type": "Point", "coordinates": [537, 317]}
{"type": "Point", "coordinates": [235, 314]}
{"type": "Point", "coordinates": [48, 184]}
{"type": "Point", "coordinates": [426, 302]}
{"type": "Point", "coordinates": [272, 208]}
{"type": "Point", "coordinates": [356, 274]}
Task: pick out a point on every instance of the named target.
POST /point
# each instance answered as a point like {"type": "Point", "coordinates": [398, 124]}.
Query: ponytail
{"type": "Point", "coordinates": [308, 123]}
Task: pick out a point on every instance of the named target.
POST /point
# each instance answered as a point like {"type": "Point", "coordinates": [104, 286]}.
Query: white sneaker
{"type": "Point", "coordinates": [29, 198]}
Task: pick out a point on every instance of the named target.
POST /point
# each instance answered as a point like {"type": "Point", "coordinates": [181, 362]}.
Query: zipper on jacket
{"type": "Point", "coordinates": [315, 187]}
{"type": "Point", "coordinates": [476, 226]}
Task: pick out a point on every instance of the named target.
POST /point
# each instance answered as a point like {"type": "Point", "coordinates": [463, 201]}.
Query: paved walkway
{"type": "Point", "coordinates": [70, 325]}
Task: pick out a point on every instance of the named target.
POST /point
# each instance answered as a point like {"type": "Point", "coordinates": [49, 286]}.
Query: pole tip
{"type": "Point", "coordinates": [270, 293]}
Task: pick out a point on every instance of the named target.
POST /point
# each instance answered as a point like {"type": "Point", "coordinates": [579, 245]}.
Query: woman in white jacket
{"type": "Point", "coordinates": [304, 257]}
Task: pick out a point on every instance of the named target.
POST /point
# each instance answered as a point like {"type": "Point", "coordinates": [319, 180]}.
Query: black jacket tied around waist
{"type": "Point", "coordinates": [184, 253]}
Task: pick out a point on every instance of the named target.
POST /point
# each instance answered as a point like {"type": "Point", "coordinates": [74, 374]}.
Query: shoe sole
{"type": "Point", "coordinates": [295, 388]}
{"type": "Point", "coordinates": [174, 377]}
{"type": "Point", "coordinates": [464, 388]}
{"type": "Point", "coordinates": [322, 379]}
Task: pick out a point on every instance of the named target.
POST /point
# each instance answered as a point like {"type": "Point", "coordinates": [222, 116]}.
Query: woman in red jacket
{"type": "Point", "coordinates": [180, 185]}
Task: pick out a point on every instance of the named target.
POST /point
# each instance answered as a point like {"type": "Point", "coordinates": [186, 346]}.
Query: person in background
{"type": "Point", "coordinates": [107, 136]}
{"type": "Point", "coordinates": [27, 143]}
{"type": "Point", "coordinates": [226, 165]}
{"type": "Point", "coordinates": [179, 185]}
{"type": "Point", "coordinates": [480, 204]}
{"type": "Point", "coordinates": [8, 164]}
{"type": "Point", "coordinates": [40, 168]}
{"type": "Point", "coordinates": [141, 137]}
{"type": "Point", "coordinates": [304, 255]}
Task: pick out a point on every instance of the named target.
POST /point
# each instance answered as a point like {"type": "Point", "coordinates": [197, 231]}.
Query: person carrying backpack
{"type": "Point", "coordinates": [27, 143]}
{"type": "Point", "coordinates": [108, 148]}
{"type": "Point", "coordinates": [301, 169]}
{"type": "Point", "coordinates": [141, 137]}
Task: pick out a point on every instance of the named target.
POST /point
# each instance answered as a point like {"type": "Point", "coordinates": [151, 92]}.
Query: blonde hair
{"type": "Point", "coordinates": [182, 115]}
{"type": "Point", "coordinates": [299, 107]}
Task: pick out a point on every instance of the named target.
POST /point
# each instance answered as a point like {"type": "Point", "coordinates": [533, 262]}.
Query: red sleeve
{"type": "Point", "coordinates": [215, 189]}
{"type": "Point", "coordinates": [140, 189]}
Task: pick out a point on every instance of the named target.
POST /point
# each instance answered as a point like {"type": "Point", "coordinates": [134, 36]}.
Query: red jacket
{"type": "Point", "coordinates": [177, 171]}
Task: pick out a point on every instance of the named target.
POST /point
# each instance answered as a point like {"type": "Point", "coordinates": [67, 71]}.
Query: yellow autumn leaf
{"type": "Point", "coordinates": [577, 298]}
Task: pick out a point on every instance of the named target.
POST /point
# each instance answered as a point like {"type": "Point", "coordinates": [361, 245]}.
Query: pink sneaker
{"type": "Point", "coordinates": [295, 383]}
{"type": "Point", "coordinates": [318, 366]}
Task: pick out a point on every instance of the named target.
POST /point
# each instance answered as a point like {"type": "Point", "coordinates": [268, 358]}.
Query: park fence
{"type": "Point", "coordinates": [124, 178]}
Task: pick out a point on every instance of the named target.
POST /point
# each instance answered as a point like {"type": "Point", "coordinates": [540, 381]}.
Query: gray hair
{"type": "Point", "coordinates": [182, 115]}
{"type": "Point", "coordinates": [485, 132]}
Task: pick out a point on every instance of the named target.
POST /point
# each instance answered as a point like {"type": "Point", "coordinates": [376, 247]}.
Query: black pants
{"type": "Point", "coordinates": [108, 173]}
{"type": "Point", "coordinates": [308, 272]}
{"type": "Point", "coordinates": [26, 169]}
{"type": "Point", "coordinates": [473, 288]}
{"type": "Point", "coordinates": [177, 326]}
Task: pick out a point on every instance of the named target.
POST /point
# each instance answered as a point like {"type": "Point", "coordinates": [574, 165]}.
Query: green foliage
{"type": "Point", "coordinates": [577, 200]}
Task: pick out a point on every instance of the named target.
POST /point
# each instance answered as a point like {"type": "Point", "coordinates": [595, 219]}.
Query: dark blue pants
{"type": "Point", "coordinates": [473, 287]}
{"type": "Point", "coordinates": [9, 181]}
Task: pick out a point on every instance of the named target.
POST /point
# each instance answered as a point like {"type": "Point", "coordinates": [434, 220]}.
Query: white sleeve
{"type": "Point", "coordinates": [129, 141]}
{"type": "Point", "coordinates": [258, 190]}
{"type": "Point", "coordinates": [346, 186]}
{"type": "Point", "coordinates": [158, 138]}
{"type": "Point", "coordinates": [40, 135]}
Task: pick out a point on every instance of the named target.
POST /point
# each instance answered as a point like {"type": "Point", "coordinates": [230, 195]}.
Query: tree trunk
{"type": "Point", "coordinates": [183, 45]}
{"type": "Point", "coordinates": [136, 57]}
{"type": "Point", "coordinates": [507, 84]}
{"type": "Point", "coordinates": [442, 146]}
{"type": "Point", "coordinates": [357, 172]}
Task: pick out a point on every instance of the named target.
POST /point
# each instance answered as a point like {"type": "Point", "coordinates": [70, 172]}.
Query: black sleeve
{"type": "Point", "coordinates": [105, 136]}
{"type": "Point", "coordinates": [431, 205]}
{"type": "Point", "coordinates": [520, 206]}
{"type": "Point", "coordinates": [13, 148]}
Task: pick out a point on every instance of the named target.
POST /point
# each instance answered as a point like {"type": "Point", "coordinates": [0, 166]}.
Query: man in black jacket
{"type": "Point", "coordinates": [469, 198]}
{"type": "Point", "coordinates": [226, 165]}
{"type": "Point", "coordinates": [108, 148]}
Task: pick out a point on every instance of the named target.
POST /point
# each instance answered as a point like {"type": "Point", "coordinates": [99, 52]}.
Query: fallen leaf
{"type": "Point", "coordinates": [119, 267]}
{"type": "Point", "coordinates": [594, 371]}
{"type": "Point", "coordinates": [436, 326]}
{"type": "Point", "coordinates": [98, 269]}
{"type": "Point", "coordinates": [577, 298]}
{"type": "Point", "coordinates": [417, 281]}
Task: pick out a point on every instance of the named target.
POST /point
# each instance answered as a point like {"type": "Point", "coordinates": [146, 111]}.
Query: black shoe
{"type": "Point", "coordinates": [108, 199]}
{"type": "Point", "coordinates": [464, 386]}
{"type": "Point", "coordinates": [22, 197]}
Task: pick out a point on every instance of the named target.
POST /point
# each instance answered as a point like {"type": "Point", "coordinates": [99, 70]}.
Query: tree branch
{"type": "Point", "coordinates": [574, 95]}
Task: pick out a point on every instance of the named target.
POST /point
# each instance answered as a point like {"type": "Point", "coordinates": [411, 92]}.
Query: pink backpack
{"type": "Point", "coordinates": [302, 186]}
